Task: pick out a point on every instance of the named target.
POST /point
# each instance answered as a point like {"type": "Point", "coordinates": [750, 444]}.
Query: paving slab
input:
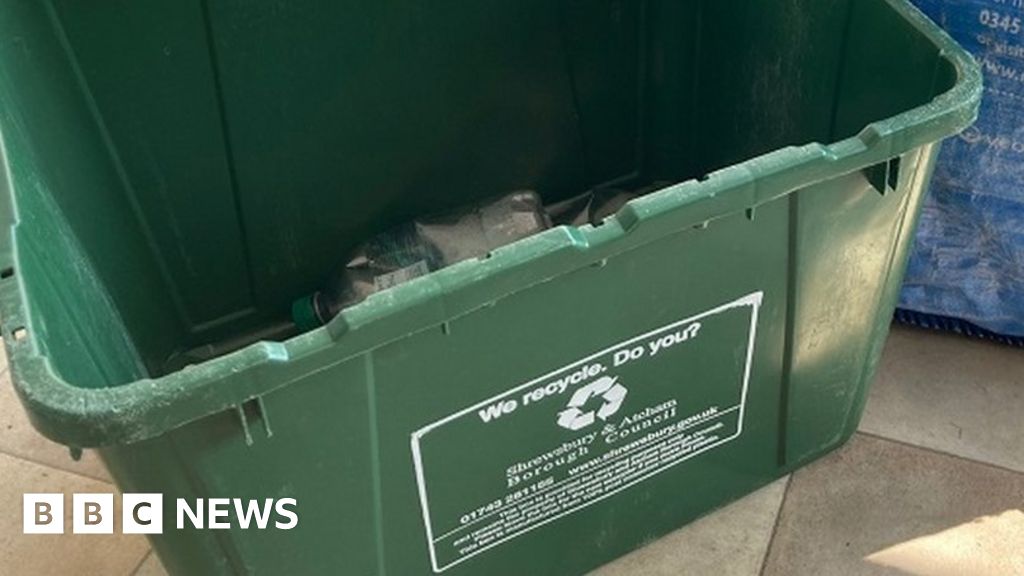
{"type": "Point", "coordinates": [106, 554]}
{"type": "Point", "coordinates": [151, 566]}
{"type": "Point", "coordinates": [951, 394]}
{"type": "Point", "coordinates": [881, 507]}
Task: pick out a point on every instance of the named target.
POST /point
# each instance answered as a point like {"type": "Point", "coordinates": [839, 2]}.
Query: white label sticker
{"type": "Point", "coordinates": [401, 276]}
{"type": "Point", "coordinates": [584, 432]}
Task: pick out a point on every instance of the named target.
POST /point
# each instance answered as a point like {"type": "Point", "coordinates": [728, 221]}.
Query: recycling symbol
{"type": "Point", "coordinates": [607, 388]}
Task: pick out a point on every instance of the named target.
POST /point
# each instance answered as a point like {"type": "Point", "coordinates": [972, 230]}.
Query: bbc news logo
{"type": "Point", "coordinates": [144, 513]}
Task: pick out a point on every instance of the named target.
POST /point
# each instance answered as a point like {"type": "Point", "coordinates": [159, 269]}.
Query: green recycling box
{"type": "Point", "coordinates": [177, 172]}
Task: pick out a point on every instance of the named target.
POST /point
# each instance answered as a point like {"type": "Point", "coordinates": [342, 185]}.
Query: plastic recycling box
{"type": "Point", "coordinates": [176, 173]}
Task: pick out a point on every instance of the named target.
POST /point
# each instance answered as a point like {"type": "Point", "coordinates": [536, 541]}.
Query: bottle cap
{"type": "Point", "coordinates": [304, 313]}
